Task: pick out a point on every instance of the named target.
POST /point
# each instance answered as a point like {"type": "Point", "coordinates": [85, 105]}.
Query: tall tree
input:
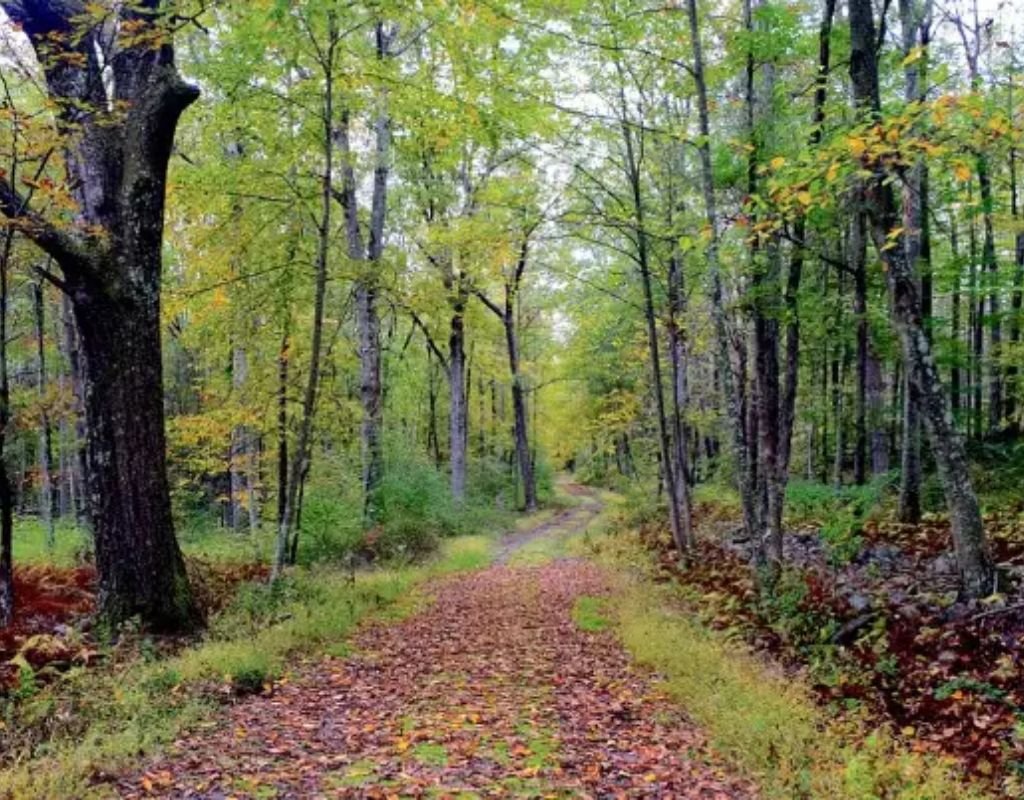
{"type": "Point", "coordinates": [117, 98]}
{"type": "Point", "coordinates": [976, 568]}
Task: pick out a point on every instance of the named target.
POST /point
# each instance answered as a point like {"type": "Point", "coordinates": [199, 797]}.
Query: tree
{"type": "Point", "coordinates": [111, 76]}
{"type": "Point", "coordinates": [975, 564]}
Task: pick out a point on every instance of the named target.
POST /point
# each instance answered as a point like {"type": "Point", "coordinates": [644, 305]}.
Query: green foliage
{"type": "Point", "coordinates": [840, 513]}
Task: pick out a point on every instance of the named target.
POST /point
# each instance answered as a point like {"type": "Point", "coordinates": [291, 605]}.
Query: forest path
{"type": "Point", "coordinates": [492, 690]}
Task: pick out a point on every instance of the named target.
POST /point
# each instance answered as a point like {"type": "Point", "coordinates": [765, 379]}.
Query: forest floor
{"type": "Point", "coordinates": [880, 633]}
{"type": "Point", "coordinates": [494, 687]}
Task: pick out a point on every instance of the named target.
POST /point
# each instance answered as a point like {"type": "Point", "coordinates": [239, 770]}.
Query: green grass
{"type": "Point", "coordinates": [70, 542]}
{"type": "Point", "coordinates": [104, 719]}
{"type": "Point", "coordinates": [591, 614]}
{"type": "Point", "coordinates": [431, 754]}
{"type": "Point", "coordinates": [764, 722]}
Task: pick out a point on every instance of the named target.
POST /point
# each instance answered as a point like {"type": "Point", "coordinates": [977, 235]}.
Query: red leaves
{"type": "Point", "coordinates": [492, 690]}
{"type": "Point", "coordinates": [949, 676]}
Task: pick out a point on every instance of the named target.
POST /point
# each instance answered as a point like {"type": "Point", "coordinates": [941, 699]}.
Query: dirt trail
{"type": "Point", "coordinates": [565, 523]}
{"type": "Point", "coordinates": [491, 691]}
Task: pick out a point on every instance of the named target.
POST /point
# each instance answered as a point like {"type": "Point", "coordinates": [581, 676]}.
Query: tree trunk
{"type": "Point", "coordinates": [121, 104]}
{"type": "Point", "coordinates": [641, 256]}
{"type": "Point", "coordinates": [1017, 298]}
{"type": "Point", "coordinates": [876, 415]}
{"type": "Point", "coordinates": [282, 425]}
{"type": "Point", "coordinates": [522, 439]}
{"type": "Point", "coordinates": [955, 388]}
{"type": "Point", "coordinates": [858, 258]}
{"type": "Point", "coordinates": [976, 569]}
{"type": "Point", "coordinates": [45, 429]}
{"type": "Point", "coordinates": [908, 507]}
{"type": "Point", "coordinates": [7, 598]}
{"type": "Point", "coordinates": [301, 454]}
{"type": "Point", "coordinates": [458, 407]}
{"type": "Point", "coordinates": [680, 396]}
{"type": "Point", "coordinates": [238, 457]}
{"type": "Point", "coordinates": [729, 370]}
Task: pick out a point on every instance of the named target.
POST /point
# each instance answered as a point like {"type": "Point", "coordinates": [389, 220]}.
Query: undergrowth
{"type": "Point", "coordinates": [61, 740]}
{"type": "Point", "coordinates": [763, 721]}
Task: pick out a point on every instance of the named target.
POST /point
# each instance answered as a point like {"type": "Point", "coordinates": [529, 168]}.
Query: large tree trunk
{"type": "Point", "coordinates": [117, 106]}
{"type": "Point", "coordinates": [136, 554]}
{"type": "Point", "coordinates": [975, 564]}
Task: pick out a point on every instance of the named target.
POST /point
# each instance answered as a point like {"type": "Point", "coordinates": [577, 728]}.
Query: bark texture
{"type": "Point", "coordinates": [975, 564]}
{"type": "Point", "coordinates": [117, 106]}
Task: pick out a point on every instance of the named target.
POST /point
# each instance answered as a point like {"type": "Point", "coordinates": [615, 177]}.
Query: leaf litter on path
{"type": "Point", "coordinates": [491, 691]}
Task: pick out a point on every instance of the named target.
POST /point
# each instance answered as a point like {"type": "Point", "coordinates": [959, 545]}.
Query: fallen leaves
{"type": "Point", "coordinates": [490, 691]}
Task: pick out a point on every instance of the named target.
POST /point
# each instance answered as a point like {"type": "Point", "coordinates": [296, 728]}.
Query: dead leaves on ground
{"type": "Point", "coordinates": [492, 691]}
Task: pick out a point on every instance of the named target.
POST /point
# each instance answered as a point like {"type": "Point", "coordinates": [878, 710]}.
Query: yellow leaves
{"type": "Point", "coordinates": [777, 163]}
{"type": "Point", "coordinates": [892, 239]}
{"type": "Point", "coordinates": [913, 56]}
{"type": "Point", "coordinates": [805, 198]}
{"type": "Point", "coordinates": [220, 298]}
{"type": "Point", "coordinates": [999, 125]}
{"type": "Point", "coordinates": [962, 171]}
{"type": "Point", "coordinates": [857, 145]}
{"type": "Point", "coordinates": [833, 171]}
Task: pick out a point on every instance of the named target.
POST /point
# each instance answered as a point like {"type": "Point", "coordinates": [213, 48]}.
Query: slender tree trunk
{"type": "Point", "coordinates": [977, 335]}
{"type": "Point", "coordinates": [433, 439]}
{"type": "Point", "coordinates": [918, 254]}
{"type": "Point", "coordinates": [458, 406]}
{"type": "Point", "coordinates": [522, 440]}
{"type": "Point", "coordinates": [678, 358]}
{"type": "Point", "coordinates": [282, 425]}
{"type": "Point", "coordinates": [7, 598]}
{"type": "Point", "coordinates": [238, 456]}
{"type": "Point", "coordinates": [1017, 298]}
{"type": "Point", "coordinates": [955, 387]}
{"type": "Point", "coordinates": [301, 454]}
{"type": "Point", "coordinates": [45, 429]}
{"type": "Point", "coordinates": [642, 258]}
{"type": "Point", "coordinates": [876, 416]}
{"type": "Point", "coordinates": [729, 370]}
{"type": "Point", "coordinates": [858, 258]}
{"type": "Point", "coordinates": [975, 564]}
